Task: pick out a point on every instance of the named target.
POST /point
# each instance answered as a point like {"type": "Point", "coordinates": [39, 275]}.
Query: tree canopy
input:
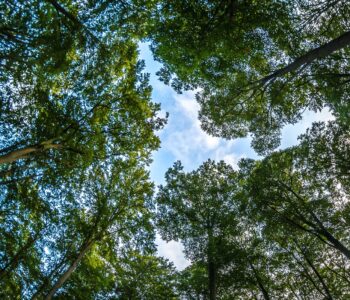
{"type": "Point", "coordinates": [77, 131]}
{"type": "Point", "coordinates": [78, 211]}
{"type": "Point", "coordinates": [259, 64]}
{"type": "Point", "coordinates": [276, 228]}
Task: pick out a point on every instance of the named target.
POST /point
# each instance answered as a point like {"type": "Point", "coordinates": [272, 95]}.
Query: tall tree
{"type": "Point", "coordinates": [198, 208]}
{"type": "Point", "coordinates": [297, 190]}
{"type": "Point", "coordinates": [75, 107]}
{"type": "Point", "coordinates": [255, 75]}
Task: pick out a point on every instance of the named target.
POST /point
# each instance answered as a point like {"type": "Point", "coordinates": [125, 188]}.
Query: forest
{"type": "Point", "coordinates": [79, 213]}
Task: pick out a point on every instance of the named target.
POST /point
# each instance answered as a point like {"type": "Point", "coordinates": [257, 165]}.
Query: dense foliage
{"type": "Point", "coordinates": [259, 64]}
{"type": "Point", "coordinates": [276, 229]}
{"type": "Point", "coordinates": [78, 214]}
{"type": "Point", "coordinates": [77, 131]}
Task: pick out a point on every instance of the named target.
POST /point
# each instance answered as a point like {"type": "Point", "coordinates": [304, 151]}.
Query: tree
{"type": "Point", "coordinates": [255, 75]}
{"type": "Point", "coordinates": [293, 188]}
{"type": "Point", "coordinates": [198, 208]}
{"type": "Point", "coordinates": [193, 282]}
{"type": "Point", "coordinates": [57, 114]}
{"type": "Point", "coordinates": [279, 225]}
{"type": "Point", "coordinates": [145, 277]}
{"type": "Point", "coordinates": [114, 231]}
{"type": "Point", "coordinates": [77, 123]}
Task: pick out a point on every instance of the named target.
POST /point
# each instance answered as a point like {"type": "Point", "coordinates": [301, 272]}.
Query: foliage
{"type": "Point", "coordinates": [78, 215]}
{"type": "Point", "coordinates": [77, 131]}
{"type": "Point", "coordinates": [258, 64]}
{"type": "Point", "coordinates": [277, 228]}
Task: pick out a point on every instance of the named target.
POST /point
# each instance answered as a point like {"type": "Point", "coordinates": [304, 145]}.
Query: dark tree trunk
{"type": "Point", "coordinates": [212, 280]}
{"type": "Point", "coordinates": [330, 237]}
{"type": "Point", "coordinates": [317, 226]}
{"type": "Point", "coordinates": [324, 285]}
{"type": "Point", "coordinates": [64, 12]}
{"type": "Point", "coordinates": [47, 280]}
{"type": "Point", "coordinates": [260, 283]}
{"type": "Point", "coordinates": [77, 23]}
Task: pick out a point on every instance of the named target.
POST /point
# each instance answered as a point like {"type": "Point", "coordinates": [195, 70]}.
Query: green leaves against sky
{"type": "Point", "coordinates": [78, 211]}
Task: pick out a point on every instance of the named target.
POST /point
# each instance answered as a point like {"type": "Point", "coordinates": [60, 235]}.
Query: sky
{"type": "Point", "coordinates": [183, 139]}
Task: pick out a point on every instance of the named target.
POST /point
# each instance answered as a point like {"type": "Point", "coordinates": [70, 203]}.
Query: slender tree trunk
{"type": "Point", "coordinates": [309, 57]}
{"type": "Point", "coordinates": [211, 265]}
{"type": "Point", "coordinates": [26, 151]}
{"type": "Point", "coordinates": [260, 283]}
{"type": "Point", "coordinates": [308, 276]}
{"type": "Point", "coordinates": [319, 228]}
{"type": "Point", "coordinates": [64, 12]}
{"type": "Point", "coordinates": [330, 237]}
{"type": "Point", "coordinates": [293, 292]}
{"type": "Point", "coordinates": [73, 19]}
{"type": "Point", "coordinates": [62, 279]}
{"type": "Point", "coordinates": [336, 243]}
{"type": "Point", "coordinates": [212, 280]}
{"type": "Point", "coordinates": [329, 296]}
{"type": "Point", "coordinates": [47, 279]}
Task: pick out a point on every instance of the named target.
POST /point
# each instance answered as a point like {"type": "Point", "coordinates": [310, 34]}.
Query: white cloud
{"type": "Point", "coordinates": [188, 106]}
{"type": "Point", "coordinates": [226, 152]}
{"type": "Point", "coordinates": [172, 251]}
{"type": "Point", "coordinates": [184, 137]}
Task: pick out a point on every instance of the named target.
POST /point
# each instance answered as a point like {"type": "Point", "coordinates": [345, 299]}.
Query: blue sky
{"type": "Point", "coordinates": [182, 139]}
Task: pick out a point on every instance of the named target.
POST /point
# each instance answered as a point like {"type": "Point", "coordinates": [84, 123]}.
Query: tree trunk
{"type": "Point", "coordinates": [309, 57]}
{"type": "Point", "coordinates": [335, 242]}
{"type": "Point", "coordinates": [211, 264]}
{"type": "Point", "coordinates": [324, 285]}
{"type": "Point", "coordinates": [73, 19]}
{"type": "Point", "coordinates": [330, 237]}
{"type": "Point", "coordinates": [62, 279]}
{"type": "Point", "coordinates": [318, 228]}
{"type": "Point", "coordinates": [212, 280]}
{"type": "Point", "coordinates": [25, 152]}
{"type": "Point", "coordinates": [46, 281]}
{"type": "Point", "coordinates": [307, 275]}
{"type": "Point", "coordinates": [64, 12]}
{"type": "Point", "coordinates": [259, 281]}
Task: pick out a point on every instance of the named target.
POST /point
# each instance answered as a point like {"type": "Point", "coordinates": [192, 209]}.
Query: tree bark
{"type": "Point", "coordinates": [309, 57]}
{"type": "Point", "coordinates": [72, 18]}
{"type": "Point", "coordinates": [319, 228]}
{"type": "Point", "coordinates": [66, 13]}
{"type": "Point", "coordinates": [335, 242]}
{"type": "Point", "coordinates": [62, 279]}
{"type": "Point", "coordinates": [26, 151]}
{"type": "Point", "coordinates": [47, 279]}
{"type": "Point", "coordinates": [307, 275]}
{"type": "Point", "coordinates": [211, 264]}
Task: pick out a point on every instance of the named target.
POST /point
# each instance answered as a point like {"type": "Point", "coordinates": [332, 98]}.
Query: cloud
{"type": "Point", "coordinates": [186, 141]}
{"type": "Point", "coordinates": [173, 251]}
{"type": "Point", "coordinates": [184, 138]}
{"type": "Point", "coordinates": [226, 151]}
